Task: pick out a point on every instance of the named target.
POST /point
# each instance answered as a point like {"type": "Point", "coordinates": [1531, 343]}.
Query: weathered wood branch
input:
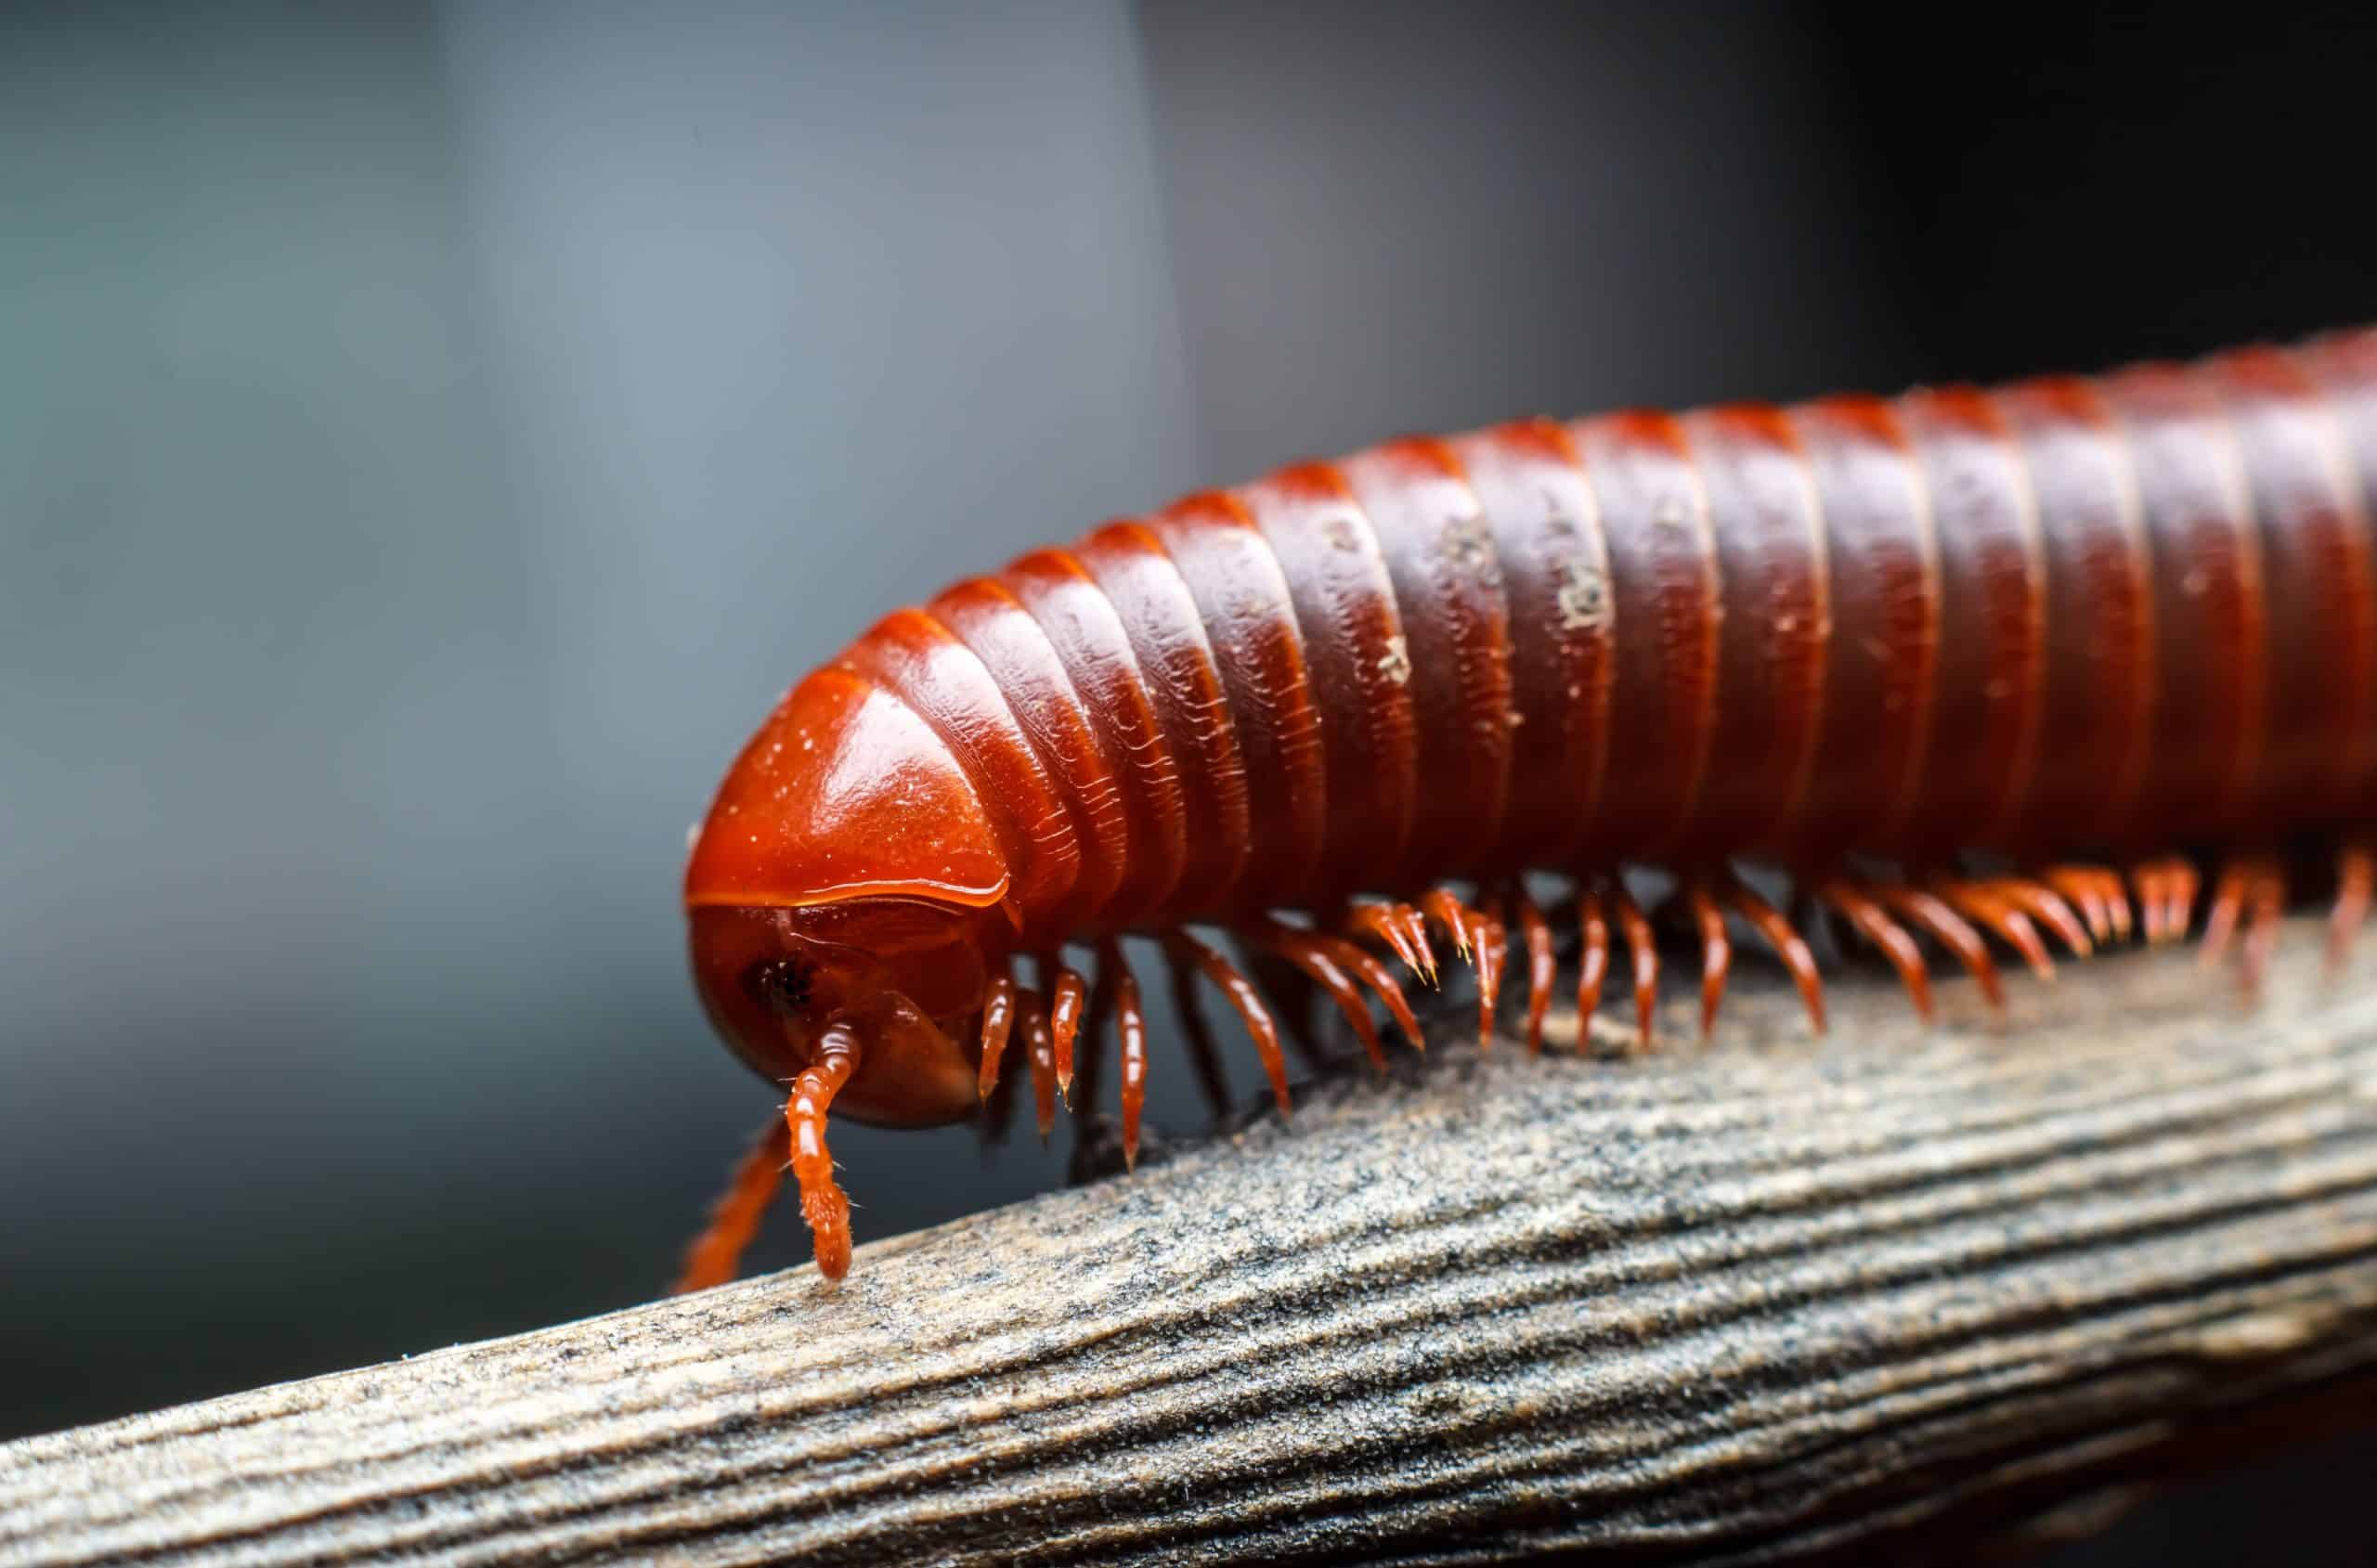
{"type": "Point", "coordinates": [1765, 1300]}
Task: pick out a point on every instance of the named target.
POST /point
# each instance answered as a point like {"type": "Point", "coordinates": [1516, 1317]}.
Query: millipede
{"type": "Point", "coordinates": [2059, 664]}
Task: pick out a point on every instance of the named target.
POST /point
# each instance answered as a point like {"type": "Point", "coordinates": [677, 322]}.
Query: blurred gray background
{"type": "Point", "coordinates": [431, 434]}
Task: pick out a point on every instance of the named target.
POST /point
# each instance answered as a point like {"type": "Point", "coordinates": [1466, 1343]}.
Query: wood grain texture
{"type": "Point", "coordinates": [1765, 1300]}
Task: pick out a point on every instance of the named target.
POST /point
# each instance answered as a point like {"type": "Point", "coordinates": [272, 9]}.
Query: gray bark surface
{"type": "Point", "coordinates": [1769, 1298]}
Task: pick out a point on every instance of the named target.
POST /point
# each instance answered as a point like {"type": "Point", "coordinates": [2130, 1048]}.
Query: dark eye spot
{"type": "Point", "coordinates": [783, 985]}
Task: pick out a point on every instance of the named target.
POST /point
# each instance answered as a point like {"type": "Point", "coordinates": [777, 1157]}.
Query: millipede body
{"type": "Point", "coordinates": [1967, 665]}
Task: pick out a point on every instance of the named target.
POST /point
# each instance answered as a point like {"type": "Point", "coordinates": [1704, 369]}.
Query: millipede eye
{"type": "Point", "coordinates": [783, 985]}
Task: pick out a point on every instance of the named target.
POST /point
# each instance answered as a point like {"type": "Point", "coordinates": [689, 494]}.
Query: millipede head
{"type": "Point", "coordinates": [847, 873]}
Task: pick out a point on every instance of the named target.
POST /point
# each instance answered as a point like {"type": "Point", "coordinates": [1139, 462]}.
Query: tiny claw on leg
{"type": "Point", "coordinates": [1458, 920]}
{"type": "Point", "coordinates": [1415, 925]}
{"type": "Point", "coordinates": [735, 1218]}
{"type": "Point", "coordinates": [1479, 938]}
{"type": "Point", "coordinates": [1858, 907]}
{"type": "Point", "coordinates": [2356, 873]}
{"type": "Point", "coordinates": [1193, 954]}
{"type": "Point", "coordinates": [821, 1200]}
{"type": "Point", "coordinates": [1402, 928]}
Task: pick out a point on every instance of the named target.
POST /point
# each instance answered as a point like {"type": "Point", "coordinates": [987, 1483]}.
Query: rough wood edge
{"type": "Point", "coordinates": [1771, 1299]}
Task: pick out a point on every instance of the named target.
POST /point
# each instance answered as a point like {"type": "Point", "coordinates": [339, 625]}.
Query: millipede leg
{"type": "Point", "coordinates": [1949, 928]}
{"type": "Point", "coordinates": [1415, 925]}
{"type": "Point", "coordinates": [2102, 901]}
{"type": "Point", "coordinates": [1788, 945]}
{"type": "Point", "coordinates": [1067, 995]}
{"type": "Point", "coordinates": [1204, 1056]}
{"type": "Point", "coordinates": [2148, 879]}
{"type": "Point", "coordinates": [1191, 953]}
{"type": "Point", "coordinates": [1871, 921]}
{"type": "Point", "coordinates": [997, 1118]}
{"type": "Point", "coordinates": [1592, 956]}
{"type": "Point", "coordinates": [2251, 892]}
{"type": "Point", "coordinates": [1987, 905]}
{"type": "Point", "coordinates": [2044, 904]}
{"type": "Point", "coordinates": [1402, 928]}
{"type": "Point", "coordinates": [2166, 890]}
{"type": "Point", "coordinates": [2084, 896]}
{"type": "Point", "coordinates": [1378, 977]}
{"type": "Point", "coordinates": [2356, 873]}
{"type": "Point", "coordinates": [2117, 907]}
{"type": "Point", "coordinates": [2266, 908]}
{"type": "Point", "coordinates": [1312, 957]}
{"type": "Point", "coordinates": [1441, 906]}
{"type": "Point", "coordinates": [1493, 952]}
{"type": "Point", "coordinates": [1643, 952]}
{"type": "Point", "coordinates": [1716, 950]}
{"type": "Point", "coordinates": [998, 1023]}
{"type": "Point", "coordinates": [2183, 884]}
{"type": "Point", "coordinates": [1040, 1053]}
{"type": "Point", "coordinates": [2228, 902]}
{"type": "Point", "coordinates": [1542, 964]}
{"type": "Point", "coordinates": [1115, 979]}
{"type": "Point", "coordinates": [735, 1217]}
{"type": "Point", "coordinates": [1478, 938]}
{"type": "Point", "coordinates": [1291, 995]}
{"type": "Point", "coordinates": [822, 1203]}
{"type": "Point", "coordinates": [1090, 1059]}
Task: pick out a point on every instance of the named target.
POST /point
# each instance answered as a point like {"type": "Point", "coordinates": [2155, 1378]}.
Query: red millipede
{"type": "Point", "coordinates": [1965, 663]}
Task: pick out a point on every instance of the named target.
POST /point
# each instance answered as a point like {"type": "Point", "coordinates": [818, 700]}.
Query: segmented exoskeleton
{"type": "Point", "coordinates": [2074, 626]}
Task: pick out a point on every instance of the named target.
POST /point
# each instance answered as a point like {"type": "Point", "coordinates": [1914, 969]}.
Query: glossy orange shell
{"type": "Point", "coordinates": [2116, 614]}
